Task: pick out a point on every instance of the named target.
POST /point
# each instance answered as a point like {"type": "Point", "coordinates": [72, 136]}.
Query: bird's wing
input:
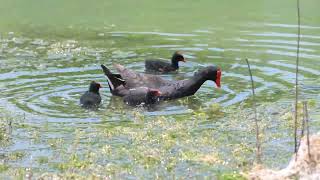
{"type": "Point", "coordinates": [134, 79]}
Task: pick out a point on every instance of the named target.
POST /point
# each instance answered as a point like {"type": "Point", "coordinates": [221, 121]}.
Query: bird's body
{"type": "Point", "coordinates": [164, 66]}
{"type": "Point", "coordinates": [90, 99]}
{"type": "Point", "coordinates": [170, 89]}
{"type": "Point", "coordinates": [159, 66]}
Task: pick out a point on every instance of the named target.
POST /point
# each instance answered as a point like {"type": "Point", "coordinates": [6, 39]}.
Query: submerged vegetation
{"type": "Point", "coordinates": [212, 140]}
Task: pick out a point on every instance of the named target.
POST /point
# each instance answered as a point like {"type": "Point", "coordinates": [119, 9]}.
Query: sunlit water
{"type": "Point", "coordinates": [46, 67]}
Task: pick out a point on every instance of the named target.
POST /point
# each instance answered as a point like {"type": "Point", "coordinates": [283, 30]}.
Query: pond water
{"type": "Point", "coordinates": [50, 51]}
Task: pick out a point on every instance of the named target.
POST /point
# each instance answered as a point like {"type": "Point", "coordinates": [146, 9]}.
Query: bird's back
{"type": "Point", "coordinates": [134, 79]}
{"type": "Point", "coordinates": [158, 65]}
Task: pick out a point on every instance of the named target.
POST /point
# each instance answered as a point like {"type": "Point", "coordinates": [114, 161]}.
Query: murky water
{"type": "Point", "coordinates": [49, 55]}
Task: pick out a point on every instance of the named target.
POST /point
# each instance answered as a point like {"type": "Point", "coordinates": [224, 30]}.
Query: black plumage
{"type": "Point", "coordinates": [142, 96]}
{"type": "Point", "coordinates": [92, 97]}
{"type": "Point", "coordinates": [128, 79]}
{"type": "Point", "coordinates": [164, 66]}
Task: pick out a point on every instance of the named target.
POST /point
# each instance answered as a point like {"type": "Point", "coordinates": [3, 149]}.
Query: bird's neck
{"type": "Point", "coordinates": [174, 63]}
{"type": "Point", "coordinates": [93, 90]}
{"type": "Point", "coordinates": [193, 84]}
{"type": "Point", "coordinates": [185, 88]}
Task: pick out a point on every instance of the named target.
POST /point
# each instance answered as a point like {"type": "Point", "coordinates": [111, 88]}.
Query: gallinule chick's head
{"type": "Point", "coordinates": [176, 57]}
{"type": "Point", "coordinates": [211, 73]}
{"type": "Point", "coordinates": [94, 87]}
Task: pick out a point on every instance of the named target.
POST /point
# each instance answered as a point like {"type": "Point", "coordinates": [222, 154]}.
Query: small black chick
{"type": "Point", "coordinates": [142, 96]}
{"type": "Point", "coordinates": [92, 97]}
{"type": "Point", "coordinates": [164, 66]}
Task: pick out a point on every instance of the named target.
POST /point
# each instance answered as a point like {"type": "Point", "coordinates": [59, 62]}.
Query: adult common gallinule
{"type": "Point", "coordinates": [141, 96]}
{"type": "Point", "coordinates": [92, 97]}
{"type": "Point", "coordinates": [128, 79]}
{"type": "Point", "coordinates": [164, 66]}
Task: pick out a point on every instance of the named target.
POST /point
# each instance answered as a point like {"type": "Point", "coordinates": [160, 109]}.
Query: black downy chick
{"type": "Point", "coordinates": [164, 66]}
{"type": "Point", "coordinates": [92, 97]}
{"type": "Point", "coordinates": [142, 96]}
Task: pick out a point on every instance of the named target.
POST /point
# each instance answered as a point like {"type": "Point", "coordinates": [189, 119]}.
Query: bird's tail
{"type": "Point", "coordinates": [114, 80]}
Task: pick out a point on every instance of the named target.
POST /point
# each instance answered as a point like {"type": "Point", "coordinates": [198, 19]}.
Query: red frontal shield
{"type": "Point", "coordinates": [218, 79]}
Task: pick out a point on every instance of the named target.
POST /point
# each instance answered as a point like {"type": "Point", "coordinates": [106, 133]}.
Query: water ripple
{"type": "Point", "coordinates": [48, 77]}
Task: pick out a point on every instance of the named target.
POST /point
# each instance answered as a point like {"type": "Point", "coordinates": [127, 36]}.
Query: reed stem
{"type": "Point", "coordinates": [258, 145]}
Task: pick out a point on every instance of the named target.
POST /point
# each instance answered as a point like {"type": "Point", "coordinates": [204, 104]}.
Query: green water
{"type": "Point", "coordinates": [51, 50]}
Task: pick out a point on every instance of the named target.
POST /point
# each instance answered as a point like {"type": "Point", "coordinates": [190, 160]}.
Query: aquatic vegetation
{"type": "Point", "coordinates": [16, 155]}
{"type": "Point", "coordinates": [200, 141]}
{"type": "Point", "coordinates": [289, 114]}
{"type": "Point", "coordinates": [3, 167]}
{"type": "Point", "coordinates": [43, 160]}
{"type": "Point", "coordinates": [5, 130]}
{"type": "Point", "coordinates": [3, 135]}
{"type": "Point", "coordinates": [74, 162]}
{"type": "Point", "coordinates": [231, 176]}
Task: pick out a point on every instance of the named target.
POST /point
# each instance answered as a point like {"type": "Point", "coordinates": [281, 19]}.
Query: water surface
{"type": "Point", "coordinates": [50, 51]}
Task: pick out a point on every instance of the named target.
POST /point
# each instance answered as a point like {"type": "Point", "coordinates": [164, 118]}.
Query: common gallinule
{"type": "Point", "coordinates": [141, 96]}
{"type": "Point", "coordinates": [164, 66]}
{"type": "Point", "coordinates": [128, 79]}
{"type": "Point", "coordinates": [92, 97]}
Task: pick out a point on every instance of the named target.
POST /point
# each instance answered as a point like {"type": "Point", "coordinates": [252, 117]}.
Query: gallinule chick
{"type": "Point", "coordinates": [164, 66]}
{"type": "Point", "coordinates": [142, 96]}
{"type": "Point", "coordinates": [127, 79]}
{"type": "Point", "coordinates": [92, 97]}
